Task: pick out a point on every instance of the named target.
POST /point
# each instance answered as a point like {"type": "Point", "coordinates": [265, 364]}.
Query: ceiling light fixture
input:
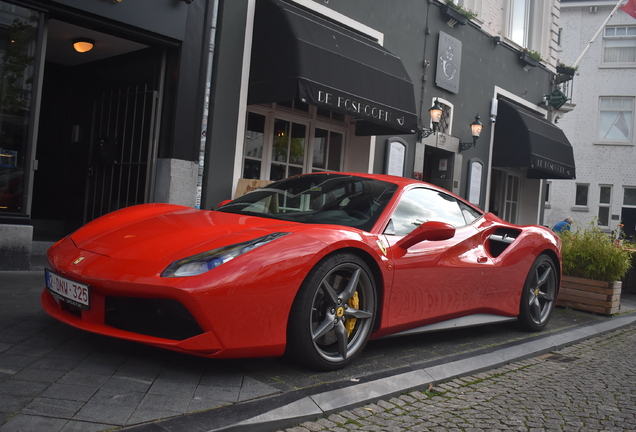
{"type": "Point", "coordinates": [83, 45]}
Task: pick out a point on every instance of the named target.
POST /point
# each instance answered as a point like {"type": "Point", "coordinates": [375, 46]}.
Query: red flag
{"type": "Point", "coordinates": [630, 8]}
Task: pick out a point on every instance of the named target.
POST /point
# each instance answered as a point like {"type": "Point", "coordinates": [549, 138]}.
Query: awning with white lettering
{"type": "Point", "coordinates": [298, 55]}
{"type": "Point", "coordinates": [525, 140]}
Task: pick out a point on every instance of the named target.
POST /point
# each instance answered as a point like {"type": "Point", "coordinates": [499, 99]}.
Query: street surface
{"type": "Point", "coordinates": [54, 377]}
{"type": "Point", "coordinates": [590, 386]}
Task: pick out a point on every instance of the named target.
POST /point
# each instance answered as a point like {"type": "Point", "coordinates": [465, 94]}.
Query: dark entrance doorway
{"type": "Point", "coordinates": [121, 147]}
{"type": "Point", "coordinates": [95, 138]}
{"type": "Point", "coordinates": [438, 167]}
{"type": "Point", "coordinates": [628, 218]}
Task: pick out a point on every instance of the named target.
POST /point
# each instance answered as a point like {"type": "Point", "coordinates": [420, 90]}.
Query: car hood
{"type": "Point", "coordinates": [166, 232]}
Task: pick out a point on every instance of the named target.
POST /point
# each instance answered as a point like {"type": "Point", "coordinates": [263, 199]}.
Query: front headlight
{"type": "Point", "coordinates": [201, 263]}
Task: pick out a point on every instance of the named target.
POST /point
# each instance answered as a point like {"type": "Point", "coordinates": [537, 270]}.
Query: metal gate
{"type": "Point", "coordinates": [123, 151]}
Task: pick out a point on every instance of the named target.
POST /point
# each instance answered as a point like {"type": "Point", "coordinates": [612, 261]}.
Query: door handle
{"type": "Point", "coordinates": [482, 259]}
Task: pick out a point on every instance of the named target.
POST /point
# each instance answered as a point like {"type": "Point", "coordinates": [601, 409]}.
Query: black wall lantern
{"type": "Point", "coordinates": [475, 130]}
{"type": "Point", "coordinates": [436, 114]}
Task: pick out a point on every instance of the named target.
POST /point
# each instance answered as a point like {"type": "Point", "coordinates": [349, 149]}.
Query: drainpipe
{"type": "Point", "coordinates": [204, 120]}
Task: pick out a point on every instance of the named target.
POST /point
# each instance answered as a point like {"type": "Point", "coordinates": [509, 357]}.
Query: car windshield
{"type": "Point", "coordinates": [318, 198]}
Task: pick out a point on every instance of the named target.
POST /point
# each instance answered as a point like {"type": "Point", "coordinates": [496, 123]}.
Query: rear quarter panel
{"type": "Point", "coordinates": [511, 267]}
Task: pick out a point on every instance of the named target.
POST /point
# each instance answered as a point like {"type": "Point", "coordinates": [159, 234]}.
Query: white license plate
{"type": "Point", "coordinates": [67, 290]}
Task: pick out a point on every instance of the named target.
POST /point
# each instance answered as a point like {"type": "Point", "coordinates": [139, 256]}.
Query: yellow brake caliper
{"type": "Point", "coordinates": [350, 323]}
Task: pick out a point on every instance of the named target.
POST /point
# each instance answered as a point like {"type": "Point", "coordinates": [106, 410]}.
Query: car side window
{"type": "Point", "coordinates": [422, 205]}
{"type": "Point", "coordinates": [470, 214]}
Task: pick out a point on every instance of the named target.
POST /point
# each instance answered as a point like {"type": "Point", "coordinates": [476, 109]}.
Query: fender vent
{"type": "Point", "coordinates": [164, 318]}
{"type": "Point", "coordinates": [500, 240]}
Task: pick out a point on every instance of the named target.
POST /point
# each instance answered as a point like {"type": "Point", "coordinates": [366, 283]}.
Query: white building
{"type": "Point", "coordinates": [601, 128]}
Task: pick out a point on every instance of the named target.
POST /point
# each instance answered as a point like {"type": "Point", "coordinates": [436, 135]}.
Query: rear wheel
{"type": "Point", "coordinates": [539, 294]}
{"type": "Point", "coordinates": [333, 313]}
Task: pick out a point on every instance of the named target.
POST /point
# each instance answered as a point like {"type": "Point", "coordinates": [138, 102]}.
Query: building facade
{"type": "Point", "coordinates": [601, 128]}
{"type": "Point", "coordinates": [472, 67]}
{"type": "Point", "coordinates": [187, 101]}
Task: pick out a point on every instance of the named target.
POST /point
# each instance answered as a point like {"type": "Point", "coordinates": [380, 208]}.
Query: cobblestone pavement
{"type": "Point", "coordinates": [590, 386]}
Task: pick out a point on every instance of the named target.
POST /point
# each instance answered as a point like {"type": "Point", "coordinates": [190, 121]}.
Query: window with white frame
{"type": "Point", "coordinates": [505, 194]}
{"type": "Point", "coordinates": [628, 212]}
{"type": "Point", "coordinates": [446, 121]}
{"type": "Point", "coordinates": [619, 45]}
{"type": "Point", "coordinates": [580, 197]}
{"type": "Point", "coordinates": [529, 24]}
{"type": "Point", "coordinates": [288, 149]}
{"type": "Point", "coordinates": [604, 205]}
{"type": "Point", "coordinates": [253, 148]}
{"type": "Point", "coordinates": [279, 144]}
{"type": "Point", "coordinates": [546, 194]}
{"type": "Point", "coordinates": [629, 196]}
{"type": "Point", "coordinates": [616, 119]}
{"type": "Point", "coordinates": [512, 193]}
{"type": "Point", "coordinates": [327, 150]}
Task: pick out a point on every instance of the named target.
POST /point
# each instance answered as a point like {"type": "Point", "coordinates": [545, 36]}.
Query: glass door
{"type": "Point", "coordinates": [288, 149]}
{"type": "Point", "coordinates": [19, 29]}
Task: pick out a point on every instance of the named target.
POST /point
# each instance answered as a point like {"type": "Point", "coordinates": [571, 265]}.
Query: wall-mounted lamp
{"type": "Point", "coordinates": [436, 114]}
{"type": "Point", "coordinates": [83, 45]}
{"type": "Point", "coordinates": [475, 130]}
{"type": "Point", "coordinates": [497, 40]}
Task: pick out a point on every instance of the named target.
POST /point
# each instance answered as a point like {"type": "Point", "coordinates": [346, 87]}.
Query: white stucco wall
{"type": "Point", "coordinates": [596, 164]}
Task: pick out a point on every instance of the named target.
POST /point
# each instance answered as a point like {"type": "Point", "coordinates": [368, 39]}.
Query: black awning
{"type": "Point", "coordinates": [299, 55]}
{"type": "Point", "coordinates": [525, 140]}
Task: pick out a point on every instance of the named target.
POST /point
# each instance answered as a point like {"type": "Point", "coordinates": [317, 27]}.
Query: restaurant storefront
{"type": "Point", "coordinates": [527, 149]}
{"type": "Point", "coordinates": [315, 88]}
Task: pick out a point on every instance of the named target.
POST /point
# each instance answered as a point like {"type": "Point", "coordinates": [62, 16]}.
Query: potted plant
{"type": "Point", "coordinates": [531, 58]}
{"type": "Point", "coordinates": [457, 13]}
{"type": "Point", "coordinates": [566, 70]}
{"type": "Point", "coordinates": [593, 266]}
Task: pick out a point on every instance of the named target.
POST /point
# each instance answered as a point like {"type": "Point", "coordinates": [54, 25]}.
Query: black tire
{"type": "Point", "coordinates": [317, 334]}
{"type": "Point", "coordinates": [539, 294]}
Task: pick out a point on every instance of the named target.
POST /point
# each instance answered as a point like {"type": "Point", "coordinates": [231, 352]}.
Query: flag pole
{"type": "Point", "coordinates": [589, 44]}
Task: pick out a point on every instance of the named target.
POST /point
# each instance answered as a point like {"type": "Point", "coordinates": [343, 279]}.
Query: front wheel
{"type": "Point", "coordinates": [333, 313]}
{"type": "Point", "coordinates": [539, 294]}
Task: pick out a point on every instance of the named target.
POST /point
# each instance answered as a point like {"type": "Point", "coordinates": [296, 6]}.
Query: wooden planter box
{"type": "Point", "coordinates": [590, 295]}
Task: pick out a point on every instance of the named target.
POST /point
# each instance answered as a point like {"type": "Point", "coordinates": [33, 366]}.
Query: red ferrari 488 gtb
{"type": "Point", "coordinates": [313, 266]}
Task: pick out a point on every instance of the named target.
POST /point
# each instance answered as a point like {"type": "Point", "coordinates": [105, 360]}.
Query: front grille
{"type": "Point", "coordinates": [164, 318]}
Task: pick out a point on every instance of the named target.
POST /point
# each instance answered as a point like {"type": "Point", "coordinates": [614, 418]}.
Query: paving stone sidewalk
{"type": "Point", "coordinates": [56, 378]}
{"type": "Point", "coordinates": [590, 386]}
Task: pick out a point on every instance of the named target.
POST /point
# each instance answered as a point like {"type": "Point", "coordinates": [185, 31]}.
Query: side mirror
{"type": "Point", "coordinates": [432, 231]}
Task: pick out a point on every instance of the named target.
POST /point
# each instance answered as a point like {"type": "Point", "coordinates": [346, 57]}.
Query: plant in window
{"type": "Point", "coordinates": [532, 54]}
{"type": "Point", "coordinates": [466, 12]}
{"type": "Point", "coordinates": [562, 68]}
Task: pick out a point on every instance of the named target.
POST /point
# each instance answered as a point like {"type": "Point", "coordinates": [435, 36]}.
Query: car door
{"type": "Point", "coordinates": [441, 279]}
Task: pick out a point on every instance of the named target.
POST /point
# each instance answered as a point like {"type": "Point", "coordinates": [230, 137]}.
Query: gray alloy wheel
{"type": "Point", "coordinates": [539, 294]}
{"type": "Point", "coordinates": [332, 316]}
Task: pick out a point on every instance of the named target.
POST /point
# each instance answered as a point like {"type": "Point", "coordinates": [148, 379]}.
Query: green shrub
{"type": "Point", "coordinates": [591, 254]}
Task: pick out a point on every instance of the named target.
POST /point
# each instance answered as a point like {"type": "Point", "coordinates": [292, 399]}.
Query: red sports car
{"type": "Point", "coordinates": [313, 266]}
